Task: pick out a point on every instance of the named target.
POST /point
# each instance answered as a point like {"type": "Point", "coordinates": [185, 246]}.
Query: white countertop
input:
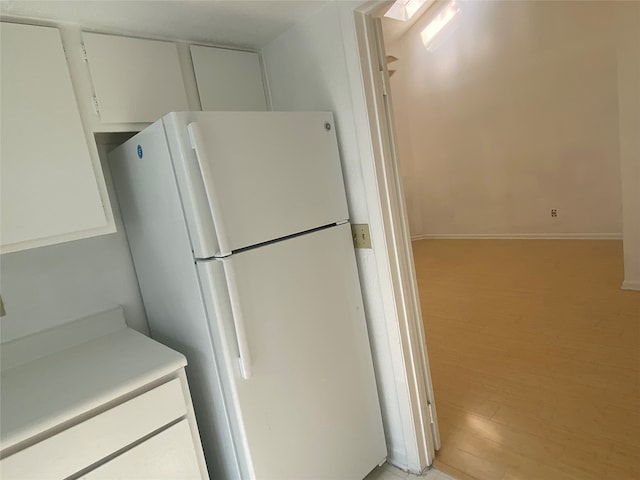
{"type": "Point", "coordinates": [61, 382]}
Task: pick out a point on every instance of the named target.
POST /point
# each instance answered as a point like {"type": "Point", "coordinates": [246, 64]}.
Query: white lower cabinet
{"type": "Point", "coordinates": [168, 455]}
{"type": "Point", "coordinates": [115, 406]}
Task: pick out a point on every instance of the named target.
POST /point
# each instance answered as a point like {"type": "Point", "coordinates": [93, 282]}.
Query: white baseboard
{"type": "Point", "coordinates": [631, 285]}
{"type": "Point", "coordinates": [397, 458]}
{"type": "Point", "coordinates": [518, 236]}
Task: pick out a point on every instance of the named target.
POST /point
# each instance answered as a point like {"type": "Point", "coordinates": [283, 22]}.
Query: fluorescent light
{"type": "Point", "coordinates": [405, 9]}
{"type": "Point", "coordinates": [436, 25]}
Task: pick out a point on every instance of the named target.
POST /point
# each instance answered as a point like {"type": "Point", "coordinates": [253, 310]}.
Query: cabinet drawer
{"type": "Point", "coordinates": [169, 455]}
{"type": "Point", "coordinates": [86, 443]}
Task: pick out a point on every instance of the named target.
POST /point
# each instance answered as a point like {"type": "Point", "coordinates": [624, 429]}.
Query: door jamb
{"type": "Point", "coordinates": [396, 230]}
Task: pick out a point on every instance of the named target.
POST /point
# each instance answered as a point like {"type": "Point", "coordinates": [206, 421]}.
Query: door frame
{"type": "Point", "coordinates": [375, 79]}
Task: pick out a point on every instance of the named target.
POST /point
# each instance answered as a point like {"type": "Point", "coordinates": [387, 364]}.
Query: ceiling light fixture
{"type": "Point", "coordinates": [405, 9]}
{"type": "Point", "coordinates": [436, 25]}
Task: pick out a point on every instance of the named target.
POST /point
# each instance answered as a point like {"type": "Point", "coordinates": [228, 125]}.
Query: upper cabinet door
{"type": "Point", "coordinates": [135, 80]}
{"type": "Point", "coordinates": [49, 189]}
{"type": "Point", "coordinates": [228, 80]}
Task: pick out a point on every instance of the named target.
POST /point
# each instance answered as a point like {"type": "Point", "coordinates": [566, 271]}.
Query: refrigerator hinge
{"type": "Point", "coordinates": [96, 105]}
{"type": "Point", "coordinates": [430, 413]}
{"type": "Point", "coordinates": [384, 83]}
{"type": "Point", "coordinates": [342, 222]}
{"type": "Point", "coordinates": [85, 57]}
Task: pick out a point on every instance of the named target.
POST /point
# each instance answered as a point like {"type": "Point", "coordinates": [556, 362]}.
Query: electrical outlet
{"type": "Point", "coordinates": [361, 237]}
{"type": "Point", "coordinates": [554, 212]}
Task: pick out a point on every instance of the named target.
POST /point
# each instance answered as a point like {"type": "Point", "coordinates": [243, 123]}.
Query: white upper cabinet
{"type": "Point", "coordinates": [135, 80]}
{"type": "Point", "coordinates": [52, 188]}
{"type": "Point", "coordinates": [228, 80]}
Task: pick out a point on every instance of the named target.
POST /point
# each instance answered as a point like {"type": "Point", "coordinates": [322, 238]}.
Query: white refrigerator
{"type": "Point", "coordinates": [239, 231]}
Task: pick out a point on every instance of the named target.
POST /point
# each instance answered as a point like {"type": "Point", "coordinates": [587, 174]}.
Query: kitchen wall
{"type": "Point", "coordinates": [628, 27]}
{"type": "Point", "coordinates": [515, 113]}
{"type": "Point", "coordinates": [310, 67]}
{"type": "Point", "coordinates": [48, 286]}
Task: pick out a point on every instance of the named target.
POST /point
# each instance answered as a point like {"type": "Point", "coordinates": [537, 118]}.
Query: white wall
{"type": "Point", "coordinates": [628, 26]}
{"type": "Point", "coordinates": [48, 286]}
{"type": "Point", "coordinates": [514, 114]}
{"type": "Point", "coordinates": [313, 66]}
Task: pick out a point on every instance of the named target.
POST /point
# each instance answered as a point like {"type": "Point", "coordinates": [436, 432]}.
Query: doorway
{"type": "Point", "coordinates": [554, 459]}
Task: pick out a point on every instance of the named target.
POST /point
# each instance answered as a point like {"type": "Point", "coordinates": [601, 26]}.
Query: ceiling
{"type": "Point", "coordinates": [242, 23]}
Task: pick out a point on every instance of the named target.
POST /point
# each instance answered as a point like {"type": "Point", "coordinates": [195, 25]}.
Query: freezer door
{"type": "Point", "coordinates": [265, 175]}
{"type": "Point", "coordinates": [309, 408]}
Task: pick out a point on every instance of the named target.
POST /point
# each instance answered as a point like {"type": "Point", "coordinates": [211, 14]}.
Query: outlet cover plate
{"type": "Point", "coordinates": [361, 236]}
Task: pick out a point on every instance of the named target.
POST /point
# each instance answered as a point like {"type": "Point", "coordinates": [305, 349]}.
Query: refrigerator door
{"type": "Point", "coordinates": [310, 407]}
{"type": "Point", "coordinates": [265, 175]}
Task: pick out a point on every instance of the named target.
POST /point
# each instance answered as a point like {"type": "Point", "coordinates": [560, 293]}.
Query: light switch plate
{"type": "Point", "coordinates": [361, 236]}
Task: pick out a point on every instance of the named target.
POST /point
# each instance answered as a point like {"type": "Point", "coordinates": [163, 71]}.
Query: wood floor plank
{"type": "Point", "coordinates": [535, 358]}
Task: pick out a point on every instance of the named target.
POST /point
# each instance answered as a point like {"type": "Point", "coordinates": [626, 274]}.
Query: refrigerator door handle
{"type": "Point", "coordinates": [197, 143]}
{"type": "Point", "coordinates": [238, 319]}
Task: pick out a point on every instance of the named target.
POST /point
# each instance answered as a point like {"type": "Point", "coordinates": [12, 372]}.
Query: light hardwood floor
{"type": "Point", "coordinates": [535, 358]}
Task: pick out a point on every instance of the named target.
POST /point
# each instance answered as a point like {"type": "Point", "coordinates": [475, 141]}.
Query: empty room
{"type": "Point", "coordinates": [513, 145]}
